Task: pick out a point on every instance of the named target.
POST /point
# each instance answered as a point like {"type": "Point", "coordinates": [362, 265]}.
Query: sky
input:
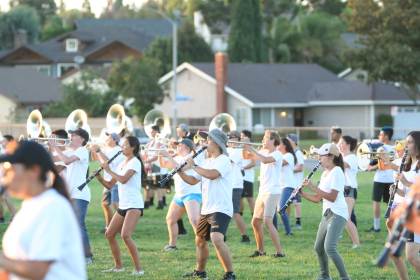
{"type": "Point", "coordinates": [97, 5]}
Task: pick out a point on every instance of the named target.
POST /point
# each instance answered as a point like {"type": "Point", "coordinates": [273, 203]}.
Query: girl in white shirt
{"type": "Point", "coordinates": [44, 240]}
{"type": "Point", "coordinates": [131, 204]}
{"type": "Point", "coordinates": [334, 209]}
{"type": "Point", "coordinates": [187, 197]}
{"type": "Point", "coordinates": [347, 145]}
{"type": "Point", "coordinates": [287, 179]}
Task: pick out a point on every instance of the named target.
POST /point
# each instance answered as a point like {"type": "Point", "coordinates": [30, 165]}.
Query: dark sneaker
{"type": "Point", "coordinates": [196, 274]}
{"type": "Point", "coordinates": [2, 221]}
{"type": "Point", "coordinates": [372, 229]}
{"type": "Point", "coordinates": [257, 254]}
{"type": "Point", "coordinates": [229, 276]}
{"type": "Point", "coordinates": [182, 232]}
{"type": "Point", "coordinates": [279, 255]}
{"type": "Point", "coordinates": [245, 239]}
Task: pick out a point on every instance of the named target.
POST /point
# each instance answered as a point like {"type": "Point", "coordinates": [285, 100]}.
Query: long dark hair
{"type": "Point", "coordinates": [289, 148]}
{"type": "Point", "coordinates": [350, 141]}
{"type": "Point", "coordinates": [134, 143]}
{"type": "Point", "coordinates": [338, 161]}
{"type": "Point", "coordinates": [416, 137]}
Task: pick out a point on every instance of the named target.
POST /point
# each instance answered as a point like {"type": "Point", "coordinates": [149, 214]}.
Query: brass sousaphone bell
{"type": "Point", "coordinates": [77, 119]}
{"type": "Point", "coordinates": [157, 117]}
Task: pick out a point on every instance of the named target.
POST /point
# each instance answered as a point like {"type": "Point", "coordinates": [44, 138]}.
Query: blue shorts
{"type": "Point", "coordinates": [114, 194]}
{"type": "Point", "coordinates": [192, 196]}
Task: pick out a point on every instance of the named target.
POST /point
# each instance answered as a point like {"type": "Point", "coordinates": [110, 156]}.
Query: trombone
{"type": "Point", "coordinates": [245, 143]}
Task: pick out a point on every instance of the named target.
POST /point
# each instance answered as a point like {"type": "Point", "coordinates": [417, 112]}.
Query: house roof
{"type": "Point", "coordinates": [37, 88]}
{"type": "Point", "coordinates": [99, 33]}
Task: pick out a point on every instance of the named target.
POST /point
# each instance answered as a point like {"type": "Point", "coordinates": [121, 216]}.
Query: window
{"type": "Point", "coordinates": [63, 68]}
{"type": "Point", "coordinates": [241, 117]}
{"type": "Point", "coordinates": [72, 45]}
{"type": "Point", "coordinates": [44, 69]}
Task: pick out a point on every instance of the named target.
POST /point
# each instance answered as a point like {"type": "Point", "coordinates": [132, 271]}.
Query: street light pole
{"type": "Point", "coordinates": [174, 78]}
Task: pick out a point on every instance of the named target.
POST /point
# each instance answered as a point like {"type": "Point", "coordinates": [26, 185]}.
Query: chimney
{"type": "Point", "coordinates": [220, 69]}
{"type": "Point", "coordinates": [20, 38]}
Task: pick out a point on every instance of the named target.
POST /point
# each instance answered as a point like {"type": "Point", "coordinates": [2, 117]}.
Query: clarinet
{"type": "Point", "coordinates": [174, 171]}
{"type": "Point", "coordinates": [297, 190]}
{"type": "Point", "coordinates": [393, 188]}
{"type": "Point", "coordinates": [91, 177]}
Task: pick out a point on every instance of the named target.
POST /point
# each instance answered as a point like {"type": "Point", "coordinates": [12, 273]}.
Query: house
{"type": "Point", "coordinates": [18, 98]}
{"type": "Point", "coordinates": [278, 95]}
{"type": "Point", "coordinates": [94, 42]}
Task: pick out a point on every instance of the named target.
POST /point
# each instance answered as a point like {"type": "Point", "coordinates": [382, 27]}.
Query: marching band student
{"type": "Point", "coordinates": [109, 196]}
{"type": "Point", "coordinates": [129, 179]}
{"type": "Point", "coordinates": [60, 136]}
{"type": "Point", "coordinates": [43, 241]}
{"type": "Point", "coordinates": [187, 197]}
{"type": "Point", "coordinates": [249, 175]}
{"type": "Point", "coordinates": [8, 145]}
{"type": "Point", "coordinates": [269, 193]}
{"type": "Point", "coordinates": [334, 209]}
{"type": "Point", "coordinates": [406, 179]}
{"type": "Point", "coordinates": [235, 155]}
{"type": "Point", "coordinates": [217, 208]}
{"type": "Point", "coordinates": [298, 173]}
{"type": "Point", "coordinates": [347, 145]}
{"type": "Point", "coordinates": [382, 180]}
{"type": "Point", "coordinates": [76, 159]}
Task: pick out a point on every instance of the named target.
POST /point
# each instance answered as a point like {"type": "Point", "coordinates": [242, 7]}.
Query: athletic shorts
{"type": "Point", "coordinates": [215, 222]}
{"type": "Point", "coordinates": [236, 200]}
{"type": "Point", "coordinates": [181, 200]}
{"type": "Point", "coordinates": [248, 190]}
{"type": "Point", "coordinates": [350, 192]}
{"type": "Point", "coordinates": [381, 192]}
{"type": "Point", "coordinates": [266, 205]}
{"type": "Point", "coordinates": [110, 196]}
{"type": "Point", "coordinates": [123, 212]}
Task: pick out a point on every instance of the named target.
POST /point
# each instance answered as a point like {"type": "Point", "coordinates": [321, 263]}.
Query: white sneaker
{"type": "Point", "coordinates": [169, 248]}
{"type": "Point", "coordinates": [355, 246]}
{"type": "Point", "coordinates": [138, 273]}
{"type": "Point", "coordinates": [113, 270]}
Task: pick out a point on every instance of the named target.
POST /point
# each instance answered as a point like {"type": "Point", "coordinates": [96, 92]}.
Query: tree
{"type": "Point", "coordinates": [87, 10]}
{"type": "Point", "coordinates": [245, 32]}
{"type": "Point", "coordinates": [83, 94]}
{"type": "Point", "coordinates": [19, 18]}
{"type": "Point", "coordinates": [44, 8]}
{"type": "Point", "coordinates": [191, 48]}
{"type": "Point", "coordinates": [138, 80]}
{"type": "Point", "coordinates": [390, 38]}
{"type": "Point", "coordinates": [54, 27]}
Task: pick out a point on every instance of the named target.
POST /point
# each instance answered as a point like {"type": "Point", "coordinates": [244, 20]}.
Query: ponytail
{"type": "Point", "coordinates": [338, 161]}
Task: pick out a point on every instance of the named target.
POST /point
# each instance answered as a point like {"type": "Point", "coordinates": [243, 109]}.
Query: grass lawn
{"type": "Point", "coordinates": [300, 263]}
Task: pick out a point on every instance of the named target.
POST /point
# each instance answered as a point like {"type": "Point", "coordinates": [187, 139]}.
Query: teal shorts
{"type": "Point", "coordinates": [192, 196]}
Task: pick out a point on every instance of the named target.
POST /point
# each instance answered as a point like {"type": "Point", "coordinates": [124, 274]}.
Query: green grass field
{"type": "Point", "coordinates": [300, 263]}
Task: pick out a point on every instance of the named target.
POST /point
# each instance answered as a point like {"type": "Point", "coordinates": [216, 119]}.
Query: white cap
{"type": "Point", "coordinates": [326, 149]}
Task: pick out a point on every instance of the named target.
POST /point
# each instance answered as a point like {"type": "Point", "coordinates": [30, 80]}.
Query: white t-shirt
{"type": "Point", "coordinates": [217, 194]}
{"type": "Point", "coordinates": [45, 229]}
{"type": "Point", "coordinates": [130, 193]}
{"type": "Point", "coordinates": [181, 187]}
{"type": "Point", "coordinates": [300, 160]}
{"type": "Point", "coordinates": [409, 175]}
{"type": "Point", "coordinates": [334, 180]}
{"type": "Point", "coordinates": [287, 177]}
{"type": "Point", "coordinates": [270, 173]}
{"type": "Point", "coordinates": [235, 155]}
{"type": "Point", "coordinates": [76, 173]}
{"type": "Point", "coordinates": [385, 176]}
{"type": "Point", "coordinates": [249, 175]}
{"type": "Point", "coordinates": [351, 173]}
{"type": "Point", "coordinates": [110, 152]}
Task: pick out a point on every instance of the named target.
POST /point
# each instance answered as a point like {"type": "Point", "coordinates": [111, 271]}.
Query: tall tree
{"type": "Point", "coordinates": [44, 8]}
{"type": "Point", "coordinates": [137, 79]}
{"type": "Point", "coordinates": [20, 18]}
{"type": "Point", "coordinates": [390, 38]}
{"type": "Point", "coordinates": [87, 9]}
{"type": "Point", "coordinates": [54, 27]}
{"type": "Point", "coordinates": [245, 32]}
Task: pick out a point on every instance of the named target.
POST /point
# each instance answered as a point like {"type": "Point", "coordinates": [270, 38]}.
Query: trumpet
{"type": "Point", "coordinates": [311, 153]}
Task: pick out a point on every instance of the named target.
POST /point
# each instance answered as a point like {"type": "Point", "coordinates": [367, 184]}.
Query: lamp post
{"type": "Point", "coordinates": [174, 23]}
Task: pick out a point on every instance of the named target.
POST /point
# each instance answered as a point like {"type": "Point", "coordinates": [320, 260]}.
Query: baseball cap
{"type": "Point", "coordinates": [184, 127]}
{"type": "Point", "coordinates": [326, 149]}
{"type": "Point", "coordinates": [81, 132]}
{"type": "Point", "coordinates": [187, 142]}
{"type": "Point", "coordinates": [293, 137]}
{"type": "Point", "coordinates": [114, 136]}
{"type": "Point", "coordinates": [220, 138]}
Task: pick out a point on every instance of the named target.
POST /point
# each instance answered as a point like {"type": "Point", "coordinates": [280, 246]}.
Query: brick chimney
{"type": "Point", "coordinates": [220, 69]}
{"type": "Point", "coordinates": [20, 38]}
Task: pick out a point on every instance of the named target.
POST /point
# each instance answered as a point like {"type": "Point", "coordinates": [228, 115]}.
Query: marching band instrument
{"type": "Point", "coordinates": [393, 187]}
{"type": "Point", "coordinates": [156, 117]}
{"type": "Point", "coordinates": [115, 119]}
{"type": "Point", "coordinates": [244, 143]}
{"type": "Point", "coordinates": [199, 136]}
{"type": "Point", "coordinates": [36, 126]}
{"type": "Point", "coordinates": [224, 122]}
{"type": "Point", "coordinates": [368, 151]}
{"type": "Point", "coordinates": [77, 119]}
{"type": "Point", "coordinates": [311, 153]}
{"type": "Point", "coordinates": [298, 189]}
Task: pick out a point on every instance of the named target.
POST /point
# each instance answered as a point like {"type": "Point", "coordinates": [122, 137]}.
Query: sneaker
{"type": "Point", "coordinates": [169, 248]}
{"type": "Point", "coordinates": [2, 221]}
{"type": "Point", "coordinates": [196, 274]}
{"type": "Point", "coordinates": [355, 246]}
{"type": "Point", "coordinates": [289, 234]}
{"type": "Point", "coordinates": [299, 227]}
{"type": "Point", "coordinates": [279, 255]}
{"type": "Point", "coordinates": [182, 232]}
{"type": "Point", "coordinates": [257, 254]}
{"type": "Point", "coordinates": [138, 273]}
{"type": "Point", "coordinates": [113, 270]}
{"type": "Point", "coordinates": [229, 276]}
{"type": "Point", "coordinates": [372, 229]}
{"type": "Point", "coordinates": [89, 260]}
{"type": "Point", "coordinates": [245, 239]}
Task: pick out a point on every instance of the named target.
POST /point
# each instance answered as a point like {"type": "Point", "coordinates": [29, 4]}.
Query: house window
{"type": "Point", "coordinates": [45, 69]}
{"type": "Point", "coordinates": [241, 117]}
{"type": "Point", "coordinates": [72, 45]}
{"type": "Point", "coordinates": [63, 68]}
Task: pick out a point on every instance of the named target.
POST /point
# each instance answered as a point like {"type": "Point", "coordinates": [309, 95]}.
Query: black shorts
{"type": "Point", "coordinates": [350, 192]}
{"type": "Point", "coordinates": [381, 191]}
{"type": "Point", "coordinates": [248, 190]}
{"type": "Point", "coordinates": [236, 200]}
{"type": "Point", "coordinates": [215, 222]}
{"type": "Point", "coordinates": [123, 212]}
